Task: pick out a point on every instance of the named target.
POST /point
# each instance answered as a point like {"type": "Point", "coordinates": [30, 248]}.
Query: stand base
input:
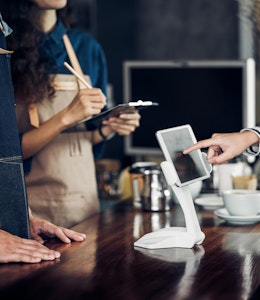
{"type": "Point", "coordinates": [172, 237]}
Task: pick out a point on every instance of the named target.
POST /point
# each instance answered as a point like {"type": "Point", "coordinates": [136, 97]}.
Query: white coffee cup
{"type": "Point", "coordinates": [242, 202]}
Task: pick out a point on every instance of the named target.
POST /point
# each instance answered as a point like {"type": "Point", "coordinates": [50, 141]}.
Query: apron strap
{"type": "Point", "coordinates": [32, 109]}
{"type": "Point", "coordinates": [73, 59]}
{"type": "Point", "coordinates": [33, 115]}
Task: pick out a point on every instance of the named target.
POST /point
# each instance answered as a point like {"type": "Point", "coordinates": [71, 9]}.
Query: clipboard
{"type": "Point", "coordinates": [124, 108]}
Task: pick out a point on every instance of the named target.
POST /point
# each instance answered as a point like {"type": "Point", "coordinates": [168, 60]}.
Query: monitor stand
{"type": "Point", "coordinates": [172, 237]}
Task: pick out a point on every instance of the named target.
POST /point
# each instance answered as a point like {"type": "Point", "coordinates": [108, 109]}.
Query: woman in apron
{"type": "Point", "coordinates": [60, 153]}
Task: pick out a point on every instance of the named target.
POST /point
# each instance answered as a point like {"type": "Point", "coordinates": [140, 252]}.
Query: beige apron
{"type": "Point", "coordinates": [61, 185]}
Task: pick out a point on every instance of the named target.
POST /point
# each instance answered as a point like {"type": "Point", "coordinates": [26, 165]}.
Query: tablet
{"type": "Point", "coordinates": [124, 108]}
{"type": "Point", "coordinates": [189, 167]}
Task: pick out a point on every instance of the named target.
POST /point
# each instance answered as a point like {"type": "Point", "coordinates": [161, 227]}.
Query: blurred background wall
{"type": "Point", "coordinates": [164, 30]}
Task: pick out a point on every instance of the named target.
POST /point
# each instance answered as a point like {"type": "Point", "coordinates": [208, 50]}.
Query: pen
{"type": "Point", "coordinates": [74, 72]}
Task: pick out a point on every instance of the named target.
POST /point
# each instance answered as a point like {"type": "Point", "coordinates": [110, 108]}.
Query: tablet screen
{"type": "Point", "coordinates": [189, 167]}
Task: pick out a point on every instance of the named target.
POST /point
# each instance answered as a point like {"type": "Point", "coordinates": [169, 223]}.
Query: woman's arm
{"type": "Point", "coordinates": [87, 102]}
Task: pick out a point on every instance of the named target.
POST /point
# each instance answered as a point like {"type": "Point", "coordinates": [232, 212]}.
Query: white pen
{"type": "Point", "coordinates": [74, 72]}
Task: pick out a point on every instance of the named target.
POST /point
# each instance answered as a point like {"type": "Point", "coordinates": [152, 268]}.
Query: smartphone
{"type": "Point", "coordinates": [189, 167]}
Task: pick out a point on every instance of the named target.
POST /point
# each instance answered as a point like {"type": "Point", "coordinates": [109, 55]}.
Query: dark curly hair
{"type": "Point", "coordinates": [29, 70]}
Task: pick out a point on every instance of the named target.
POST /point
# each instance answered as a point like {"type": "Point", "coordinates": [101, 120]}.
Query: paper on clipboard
{"type": "Point", "coordinates": [126, 108]}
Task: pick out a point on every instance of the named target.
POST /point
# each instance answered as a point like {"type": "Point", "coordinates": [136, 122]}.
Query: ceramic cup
{"type": "Point", "coordinates": [242, 202]}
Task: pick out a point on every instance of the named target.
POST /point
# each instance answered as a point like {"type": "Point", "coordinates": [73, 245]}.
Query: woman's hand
{"type": "Point", "coordinates": [87, 102]}
{"type": "Point", "coordinates": [123, 125]}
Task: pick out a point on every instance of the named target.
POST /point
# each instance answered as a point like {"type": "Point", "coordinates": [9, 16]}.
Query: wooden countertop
{"type": "Point", "coordinates": [107, 266]}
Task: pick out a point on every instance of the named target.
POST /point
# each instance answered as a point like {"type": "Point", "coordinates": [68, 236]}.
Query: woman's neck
{"type": "Point", "coordinates": [43, 19]}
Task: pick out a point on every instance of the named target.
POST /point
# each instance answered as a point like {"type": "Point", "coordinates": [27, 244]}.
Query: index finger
{"type": "Point", "coordinates": [199, 145]}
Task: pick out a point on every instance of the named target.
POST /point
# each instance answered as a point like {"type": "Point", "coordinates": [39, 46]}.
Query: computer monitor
{"type": "Point", "coordinates": [212, 96]}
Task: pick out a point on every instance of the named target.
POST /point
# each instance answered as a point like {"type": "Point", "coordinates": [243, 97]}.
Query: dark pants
{"type": "Point", "coordinates": [13, 198]}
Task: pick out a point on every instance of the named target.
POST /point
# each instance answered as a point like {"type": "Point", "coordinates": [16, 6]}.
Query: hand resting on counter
{"type": "Point", "coordinates": [17, 249]}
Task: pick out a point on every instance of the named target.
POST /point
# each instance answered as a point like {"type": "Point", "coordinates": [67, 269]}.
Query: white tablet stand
{"type": "Point", "coordinates": [171, 237]}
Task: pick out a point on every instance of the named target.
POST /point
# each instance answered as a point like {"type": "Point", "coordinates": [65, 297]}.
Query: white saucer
{"type": "Point", "coordinates": [210, 202]}
{"type": "Point", "coordinates": [237, 220]}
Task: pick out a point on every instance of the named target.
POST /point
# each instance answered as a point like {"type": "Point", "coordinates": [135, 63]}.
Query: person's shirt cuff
{"type": "Point", "coordinates": [253, 150]}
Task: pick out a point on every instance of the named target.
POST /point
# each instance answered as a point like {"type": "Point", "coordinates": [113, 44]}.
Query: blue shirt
{"type": "Point", "coordinates": [89, 53]}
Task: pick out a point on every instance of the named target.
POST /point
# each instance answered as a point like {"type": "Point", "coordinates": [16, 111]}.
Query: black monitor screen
{"type": "Point", "coordinates": [211, 97]}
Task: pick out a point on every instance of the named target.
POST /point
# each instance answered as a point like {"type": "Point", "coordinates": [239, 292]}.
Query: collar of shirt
{"type": "Point", "coordinates": [52, 47]}
{"type": "Point", "coordinates": [6, 30]}
{"type": "Point", "coordinates": [55, 36]}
